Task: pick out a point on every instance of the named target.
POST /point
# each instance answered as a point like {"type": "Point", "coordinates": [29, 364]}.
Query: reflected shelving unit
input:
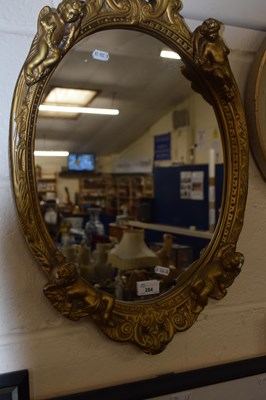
{"type": "Point", "coordinates": [47, 187]}
{"type": "Point", "coordinates": [115, 194]}
{"type": "Point", "coordinates": [130, 190]}
{"type": "Point", "coordinates": [98, 191]}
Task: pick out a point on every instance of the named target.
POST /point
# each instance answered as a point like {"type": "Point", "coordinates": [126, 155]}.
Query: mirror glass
{"type": "Point", "coordinates": [139, 195]}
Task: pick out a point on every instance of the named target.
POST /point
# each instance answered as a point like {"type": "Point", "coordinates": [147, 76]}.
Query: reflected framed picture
{"type": "Point", "coordinates": [15, 385]}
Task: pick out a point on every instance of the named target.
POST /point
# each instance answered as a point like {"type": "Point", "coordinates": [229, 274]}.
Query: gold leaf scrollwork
{"type": "Point", "coordinates": [173, 13]}
{"type": "Point", "coordinates": [153, 330]}
{"type": "Point", "coordinates": [57, 29]}
{"type": "Point", "coordinates": [123, 6]}
{"type": "Point", "coordinates": [140, 10]}
{"type": "Point", "coordinates": [182, 318]}
{"type": "Point", "coordinates": [173, 8]}
{"type": "Point", "coordinates": [216, 277]}
{"type": "Point", "coordinates": [154, 9]}
{"type": "Point", "coordinates": [124, 331]}
{"type": "Point", "coordinates": [93, 7]}
{"type": "Point", "coordinates": [75, 298]}
{"type": "Point", "coordinates": [131, 9]}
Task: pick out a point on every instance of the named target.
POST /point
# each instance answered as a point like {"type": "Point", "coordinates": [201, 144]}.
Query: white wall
{"type": "Point", "coordinates": [64, 356]}
{"type": "Point", "coordinates": [202, 131]}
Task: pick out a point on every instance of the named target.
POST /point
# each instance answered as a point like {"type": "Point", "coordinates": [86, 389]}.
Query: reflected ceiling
{"type": "Point", "coordinates": [135, 79]}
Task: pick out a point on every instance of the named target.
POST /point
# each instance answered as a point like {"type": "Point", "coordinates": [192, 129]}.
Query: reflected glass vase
{"type": "Point", "coordinates": [86, 266]}
{"type": "Point", "coordinates": [93, 228]}
{"type": "Point", "coordinates": [103, 269]}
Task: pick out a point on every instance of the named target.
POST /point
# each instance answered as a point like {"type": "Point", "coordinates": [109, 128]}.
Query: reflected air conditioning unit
{"type": "Point", "coordinates": [180, 118]}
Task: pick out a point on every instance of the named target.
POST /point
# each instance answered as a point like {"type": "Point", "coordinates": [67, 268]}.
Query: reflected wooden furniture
{"type": "Point", "coordinates": [47, 187]}
{"type": "Point", "coordinates": [182, 255]}
{"type": "Point", "coordinates": [130, 188]}
{"type": "Point", "coordinates": [115, 193]}
{"type": "Point", "coordinates": [98, 190]}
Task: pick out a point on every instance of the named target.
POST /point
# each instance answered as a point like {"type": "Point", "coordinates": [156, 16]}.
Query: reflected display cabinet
{"type": "Point", "coordinates": [115, 194]}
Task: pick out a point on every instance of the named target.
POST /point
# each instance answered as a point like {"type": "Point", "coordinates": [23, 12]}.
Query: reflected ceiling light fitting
{"type": "Point", "coordinates": [79, 110]}
{"type": "Point", "coordinates": [71, 102]}
{"type": "Point", "coordinates": [70, 97]}
{"type": "Point", "coordinates": [41, 153]}
{"type": "Point", "coordinates": [170, 54]}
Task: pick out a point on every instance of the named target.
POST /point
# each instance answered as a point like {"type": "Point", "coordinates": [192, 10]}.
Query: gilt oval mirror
{"type": "Point", "coordinates": [136, 209]}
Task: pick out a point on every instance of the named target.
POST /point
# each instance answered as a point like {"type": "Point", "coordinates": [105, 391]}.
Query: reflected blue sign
{"type": "Point", "coordinates": [162, 147]}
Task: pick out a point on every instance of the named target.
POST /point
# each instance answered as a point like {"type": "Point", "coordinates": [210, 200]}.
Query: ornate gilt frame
{"type": "Point", "coordinates": [152, 324]}
{"type": "Point", "coordinates": [255, 104]}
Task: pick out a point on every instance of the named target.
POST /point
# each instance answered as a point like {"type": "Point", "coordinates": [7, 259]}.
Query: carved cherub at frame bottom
{"type": "Point", "coordinates": [216, 277]}
{"type": "Point", "coordinates": [75, 298]}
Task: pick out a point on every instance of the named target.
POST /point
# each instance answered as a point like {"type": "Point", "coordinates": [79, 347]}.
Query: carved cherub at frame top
{"type": "Point", "coordinates": [210, 53]}
{"type": "Point", "coordinates": [57, 29]}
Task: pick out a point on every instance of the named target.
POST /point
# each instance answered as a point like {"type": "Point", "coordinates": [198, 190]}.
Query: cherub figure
{"type": "Point", "coordinates": [211, 53]}
{"type": "Point", "coordinates": [215, 278]}
{"type": "Point", "coordinates": [56, 30]}
{"type": "Point", "coordinates": [75, 298]}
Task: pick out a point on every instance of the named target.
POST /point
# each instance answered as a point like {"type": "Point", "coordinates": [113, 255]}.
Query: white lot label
{"type": "Point", "coordinates": [144, 288]}
{"type": "Point", "coordinates": [100, 55]}
{"type": "Point", "coordinates": [161, 270]}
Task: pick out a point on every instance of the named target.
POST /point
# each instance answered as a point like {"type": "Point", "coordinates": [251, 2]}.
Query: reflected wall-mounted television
{"type": "Point", "coordinates": [81, 162]}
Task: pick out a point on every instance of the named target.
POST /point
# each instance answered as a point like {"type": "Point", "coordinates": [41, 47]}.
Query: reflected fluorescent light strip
{"type": "Point", "coordinates": [79, 110]}
{"type": "Point", "coordinates": [41, 153]}
{"type": "Point", "coordinates": [170, 54]}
